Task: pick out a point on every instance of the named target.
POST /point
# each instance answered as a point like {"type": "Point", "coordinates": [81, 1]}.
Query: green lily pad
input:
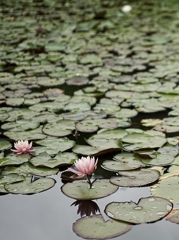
{"type": "Point", "coordinates": [159, 160]}
{"type": "Point", "coordinates": [101, 229]}
{"type": "Point", "coordinates": [10, 178]}
{"type": "Point", "coordinates": [4, 144]}
{"type": "Point", "coordinates": [138, 141]}
{"type": "Point", "coordinates": [147, 210]}
{"type": "Point", "coordinates": [59, 145]}
{"type": "Point", "coordinates": [14, 159]}
{"type": "Point", "coordinates": [35, 134]}
{"type": "Point", "coordinates": [44, 160]}
{"type": "Point", "coordinates": [77, 81]}
{"type": "Point", "coordinates": [85, 150]}
{"type": "Point", "coordinates": [166, 188]}
{"type": "Point", "coordinates": [136, 178]}
{"type": "Point", "coordinates": [59, 129]}
{"type": "Point", "coordinates": [80, 189]}
{"type": "Point", "coordinates": [27, 168]}
{"type": "Point", "coordinates": [29, 187]}
{"type": "Point", "coordinates": [121, 162]}
{"type": "Point", "coordinates": [20, 125]}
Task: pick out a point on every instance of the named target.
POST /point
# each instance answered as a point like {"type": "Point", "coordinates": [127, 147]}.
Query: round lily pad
{"type": "Point", "coordinates": [4, 144]}
{"type": "Point", "coordinates": [27, 168]}
{"type": "Point", "coordinates": [14, 159]}
{"type": "Point", "coordinates": [80, 189]}
{"type": "Point", "coordinates": [59, 129]}
{"type": "Point", "coordinates": [167, 188]}
{"type": "Point", "coordinates": [77, 81]}
{"type": "Point", "coordinates": [147, 210]}
{"type": "Point", "coordinates": [101, 229]}
{"type": "Point", "coordinates": [121, 162]}
{"type": "Point", "coordinates": [138, 141]}
{"type": "Point", "coordinates": [135, 178]}
{"type": "Point", "coordinates": [44, 160]}
{"type": "Point", "coordinates": [29, 187]}
{"type": "Point", "coordinates": [57, 144]}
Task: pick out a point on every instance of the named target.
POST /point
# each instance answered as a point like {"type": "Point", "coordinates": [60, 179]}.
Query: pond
{"type": "Point", "coordinates": [89, 78]}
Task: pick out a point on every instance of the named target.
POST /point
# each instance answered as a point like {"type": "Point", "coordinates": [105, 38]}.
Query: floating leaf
{"type": "Point", "coordinates": [28, 187]}
{"type": "Point", "coordinates": [4, 144]}
{"type": "Point", "coordinates": [59, 129]}
{"type": "Point", "coordinates": [147, 210]}
{"type": "Point", "coordinates": [44, 160]}
{"type": "Point", "coordinates": [101, 229]}
{"type": "Point", "coordinates": [138, 141]}
{"type": "Point", "coordinates": [80, 189]}
{"type": "Point", "coordinates": [135, 178]}
{"type": "Point", "coordinates": [14, 159]}
{"type": "Point", "coordinates": [167, 188]}
{"type": "Point", "coordinates": [27, 168]}
{"type": "Point", "coordinates": [122, 161]}
{"type": "Point", "coordinates": [59, 145]}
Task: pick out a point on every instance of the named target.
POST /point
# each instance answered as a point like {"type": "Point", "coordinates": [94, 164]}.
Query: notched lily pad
{"type": "Point", "coordinates": [80, 190]}
{"type": "Point", "coordinates": [14, 159]}
{"type": "Point", "coordinates": [122, 161]}
{"type": "Point", "coordinates": [135, 178]}
{"type": "Point", "coordinates": [101, 229]}
{"type": "Point", "coordinates": [167, 188]}
{"type": "Point", "coordinates": [29, 187]}
{"type": "Point", "coordinates": [147, 210]}
{"type": "Point", "coordinates": [44, 160]}
{"type": "Point", "coordinates": [27, 168]}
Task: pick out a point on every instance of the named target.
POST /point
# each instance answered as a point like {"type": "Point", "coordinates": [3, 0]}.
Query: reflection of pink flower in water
{"type": "Point", "coordinates": [86, 207]}
{"type": "Point", "coordinates": [84, 166]}
{"type": "Point", "coordinates": [22, 147]}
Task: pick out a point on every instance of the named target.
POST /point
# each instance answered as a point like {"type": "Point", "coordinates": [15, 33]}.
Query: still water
{"type": "Point", "coordinates": [49, 216]}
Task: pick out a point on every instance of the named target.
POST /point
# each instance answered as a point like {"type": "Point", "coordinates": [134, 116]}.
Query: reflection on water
{"type": "Point", "coordinates": [48, 215]}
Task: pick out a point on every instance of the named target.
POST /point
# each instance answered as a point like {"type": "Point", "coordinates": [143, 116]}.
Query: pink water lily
{"type": "Point", "coordinates": [22, 147]}
{"type": "Point", "coordinates": [84, 166]}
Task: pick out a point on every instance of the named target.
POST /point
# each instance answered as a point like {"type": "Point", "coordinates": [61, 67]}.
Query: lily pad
{"type": "Point", "coordinates": [166, 188]}
{"type": "Point", "coordinates": [14, 159]}
{"type": "Point", "coordinates": [138, 141]}
{"type": "Point", "coordinates": [122, 161]}
{"type": "Point", "coordinates": [44, 160]}
{"type": "Point", "coordinates": [59, 145]}
{"type": "Point", "coordinates": [4, 144]}
{"type": "Point", "coordinates": [101, 229]}
{"type": "Point", "coordinates": [59, 129]}
{"type": "Point", "coordinates": [80, 189]}
{"type": "Point", "coordinates": [29, 187]}
{"type": "Point", "coordinates": [27, 168]}
{"type": "Point", "coordinates": [135, 178]}
{"type": "Point", "coordinates": [147, 210]}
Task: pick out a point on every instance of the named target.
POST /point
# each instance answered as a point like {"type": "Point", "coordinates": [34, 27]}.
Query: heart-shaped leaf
{"type": "Point", "coordinates": [80, 189]}
{"type": "Point", "coordinates": [147, 210]}
{"type": "Point", "coordinates": [95, 227]}
{"type": "Point", "coordinates": [28, 187]}
{"type": "Point", "coordinates": [135, 178]}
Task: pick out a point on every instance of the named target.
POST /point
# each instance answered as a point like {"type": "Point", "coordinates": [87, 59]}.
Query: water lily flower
{"type": "Point", "coordinates": [22, 147]}
{"type": "Point", "coordinates": [84, 166]}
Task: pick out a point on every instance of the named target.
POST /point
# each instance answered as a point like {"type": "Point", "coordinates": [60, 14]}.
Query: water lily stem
{"type": "Point", "coordinates": [89, 181]}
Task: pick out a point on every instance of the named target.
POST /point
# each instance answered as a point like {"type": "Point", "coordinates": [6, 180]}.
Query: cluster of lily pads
{"type": "Point", "coordinates": [104, 84]}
